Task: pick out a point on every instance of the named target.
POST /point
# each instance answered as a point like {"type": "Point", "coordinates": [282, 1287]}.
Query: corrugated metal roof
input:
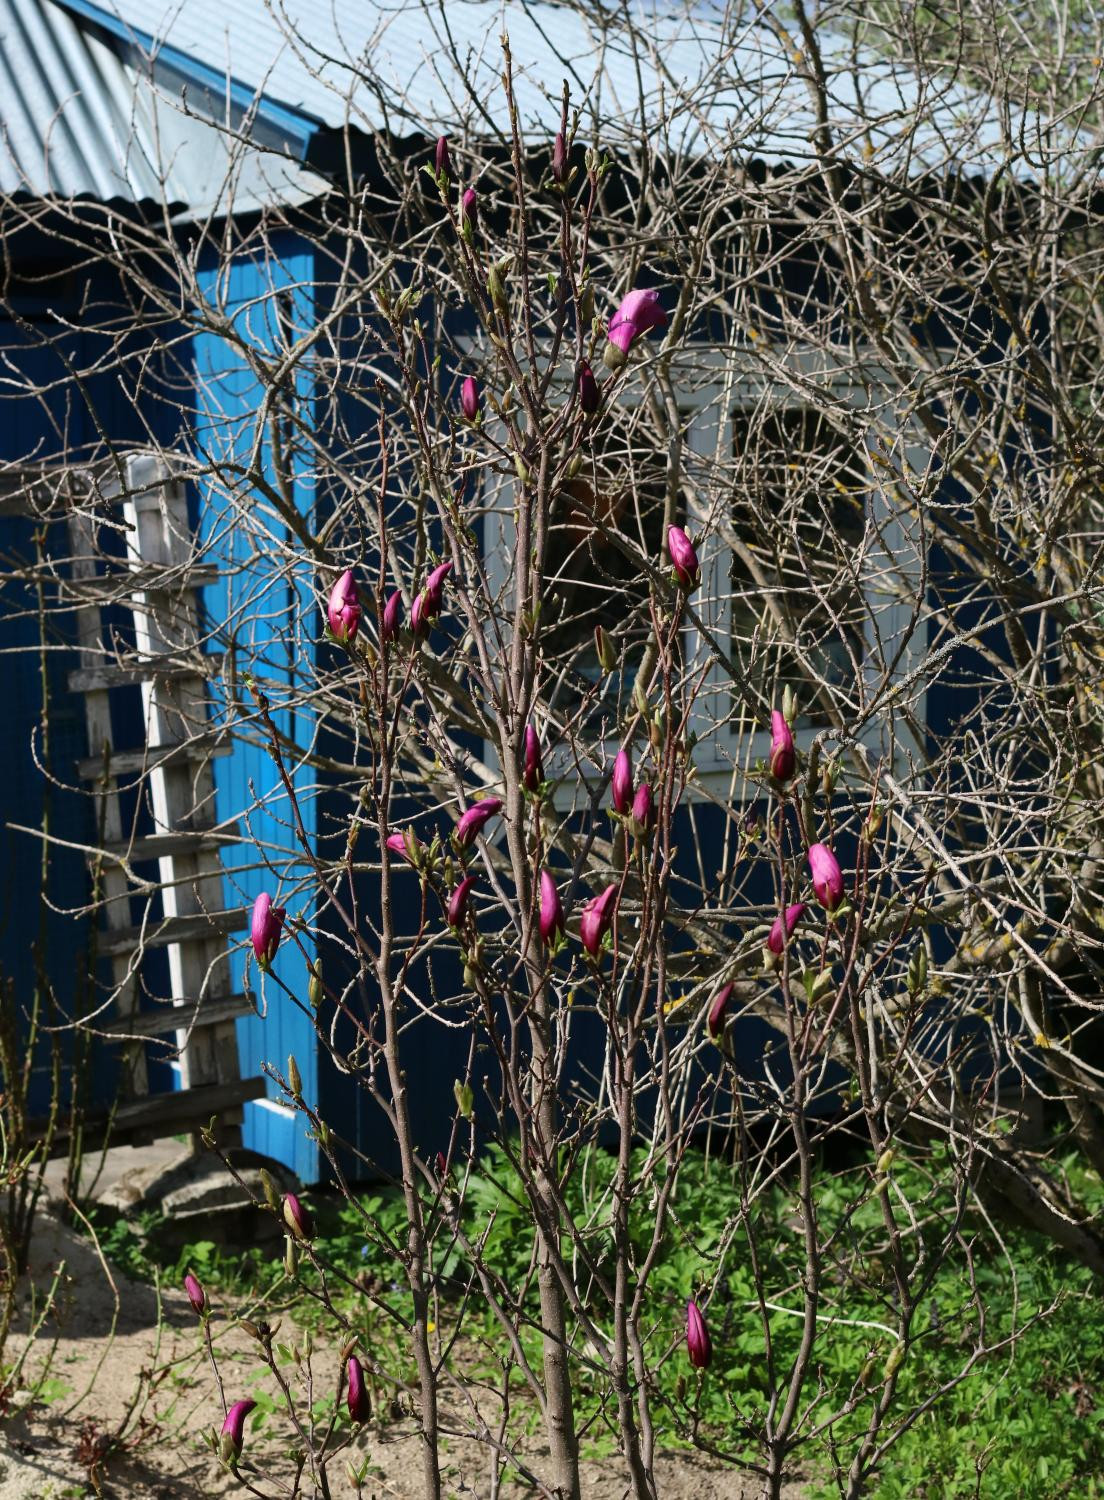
{"type": "Point", "coordinates": [431, 65]}
{"type": "Point", "coordinates": [79, 118]}
{"type": "Point", "coordinates": [66, 106]}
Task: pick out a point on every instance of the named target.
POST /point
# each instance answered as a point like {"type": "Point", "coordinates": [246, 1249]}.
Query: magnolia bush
{"type": "Point", "coordinates": [700, 612]}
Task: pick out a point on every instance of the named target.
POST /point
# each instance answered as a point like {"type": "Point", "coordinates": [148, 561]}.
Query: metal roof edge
{"type": "Point", "coordinates": [298, 125]}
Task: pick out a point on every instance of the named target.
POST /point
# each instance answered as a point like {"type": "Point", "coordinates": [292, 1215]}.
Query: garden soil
{"type": "Point", "coordinates": [119, 1363]}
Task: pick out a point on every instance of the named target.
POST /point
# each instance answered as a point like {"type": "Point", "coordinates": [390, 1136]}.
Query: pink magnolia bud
{"type": "Point", "coordinates": [392, 614]}
{"type": "Point", "coordinates": [440, 1161]}
{"type": "Point", "coordinates": [559, 159]}
{"type": "Point", "coordinates": [782, 757]}
{"type": "Point", "coordinates": [360, 1405]}
{"type": "Point", "coordinates": [196, 1295]}
{"type": "Point", "coordinates": [398, 844]}
{"type": "Point", "coordinates": [590, 394]}
{"type": "Point", "coordinates": [718, 1006]}
{"type": "Point", "coordinates": [621, 787]}
{"type": "Point", "coordinates": [427, 606]}
{"type": "Point", "coordinates": [265, 928]}
{"type": "Point", "coordinates": [684, 559]}
{"type": "Point", "coordinates": [469, 209]}
{"type": "Point", "coordinates": [477, 816]}
{"type": "Point", "coordinates": [458, 901]}
{"type": "Point", "coordinates": [533, 770]}
{"type": "Point", "coordinates": [596, 919]}
{"type": "Point", "coordinates": [297, 1218]}
{"type": "Point", "coordinates": [469, 398]}
{"type": "Point", "coordinates": [434, 585]}
{"type": "Point", "coordinates": [233, 1430]}
{"type": "Point", "coordinates": [638, 314]}
{"type": "Point", "coordinates": [551, 910]}
{"type": "Point", "coordinates": [827, 880]}
{"type": "Point", "coordinates": [776, 941]}
{"type": "Point", "coordinates": [699, 1346]}
{"type": "Point", "coordinates": [441, 159]}
{"type": "Point", "coordinates": [643, 816]}
{"type": "Point", "coordinates": [419, 619]}
{"type": "Point", "coordinates": [344, 611]}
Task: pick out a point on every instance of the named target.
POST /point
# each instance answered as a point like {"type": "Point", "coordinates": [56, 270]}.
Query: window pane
{"type": "Point", "coordinates": [798, 519]}
{"type": "Point", "coordinates": [601, 523]}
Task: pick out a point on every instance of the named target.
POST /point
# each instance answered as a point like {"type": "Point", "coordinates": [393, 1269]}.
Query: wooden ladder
{"type": "Point", "coordinates": [157, 584]}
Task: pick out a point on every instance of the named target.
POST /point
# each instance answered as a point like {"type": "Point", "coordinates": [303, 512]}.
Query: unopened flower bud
{"type": "Point", "coordinates": [343, 610]}
{"type": "Point", "coordinates": [358, 1400]}
{"type": "Point", "coordinates": [782, 928]}
{"type": "Point", "coordinates": [642, 816]}
{"type": "Point", "coordinates": [469, 211]}
{"type": "Point", "coordinates": [473, 821]}
{"type": "Point", "coordinates": [265, 928]}
{"type": "Point", "coordinates": [590, 394]}
{"type": "Point", "coordinates": [559, 159]}
{"type": "Point", "coordinates": [917, 976]}
{"type": "Point", "coordinates": [458, 901]}
{"type": "Point", "coordinates": [607, 656]}
{"type": "Point", "coordinates": [551, 921]}
{"type": "Point", "coordinates": [233, 1431]}
{"type": "Point", "coordinates": [621, 783]}
{"type": "Point", "coordinates": [827, 878]}
{"type": "Point", "coordinates": [196, 1295]}
{"type": "Point", "coordinates": [496, 290]}
{"type": "Point", "coordinates": [783, 757]}
{"type": "Point", "coordinates": [718, 1008]}
{"type": "Point", "coordinates": [533, 768]}
{"type": "Point", "coordinates": [469, 398]}
{"type": "Point", "coordinates": [597, 919]}
{"type": "Point", "coordinates": [271, 1191]}
{"type": "Point", "coordinates": [638, 314]}
{"type": "Point", "coordinates": [683, 557]}
{"type": "Point", "coordinates": [297, 1218]}
{"type": "Point", "coordinates": [699, 1346]}
{"type": "Point", "coordinates": [392, 617]}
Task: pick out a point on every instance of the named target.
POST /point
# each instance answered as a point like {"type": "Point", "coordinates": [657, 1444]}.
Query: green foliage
{"type": "Point", "coordinates": [1028, 1421]}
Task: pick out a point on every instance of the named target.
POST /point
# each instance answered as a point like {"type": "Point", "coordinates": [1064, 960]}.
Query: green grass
{"type": "Point", "coordinates": [1027, 1423]}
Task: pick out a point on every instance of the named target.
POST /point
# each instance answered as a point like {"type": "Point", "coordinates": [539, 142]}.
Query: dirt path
{"type": "Point", "coordinates": [101, 1350]}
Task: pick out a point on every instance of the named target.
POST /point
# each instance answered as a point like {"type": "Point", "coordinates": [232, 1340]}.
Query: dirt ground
{"type": "Point", "coordinates": [106, 1340]}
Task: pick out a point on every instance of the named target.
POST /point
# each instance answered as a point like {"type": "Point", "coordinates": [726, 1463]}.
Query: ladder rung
{"type": "Point", "coordinates": [180, 841]}
{"type": "Point", "coordinates": [96, 679]}
{"type": "Point", "coordinates": [206, 745]}
{"type": "Point", "coordinates": [157, 1114]}
{"type": "Point", "coordinates": [146, 579]}
{"type": "Point", "coordinates": [182, 1015]}
{"type": "Point", "coordinates": [196, 926]}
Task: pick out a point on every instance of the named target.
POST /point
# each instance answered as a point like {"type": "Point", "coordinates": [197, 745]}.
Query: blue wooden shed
{"type": "Point", "coordinates": [126, 108]}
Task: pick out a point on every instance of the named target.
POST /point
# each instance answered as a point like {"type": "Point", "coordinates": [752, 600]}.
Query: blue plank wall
{"type": "Point", "coordinates": [268, 624]}
{"type": "Point", "coordinates": [45, 418]}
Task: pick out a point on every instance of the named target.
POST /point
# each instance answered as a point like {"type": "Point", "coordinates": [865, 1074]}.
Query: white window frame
{"type": "Point", "coordinates": [725, 758]}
